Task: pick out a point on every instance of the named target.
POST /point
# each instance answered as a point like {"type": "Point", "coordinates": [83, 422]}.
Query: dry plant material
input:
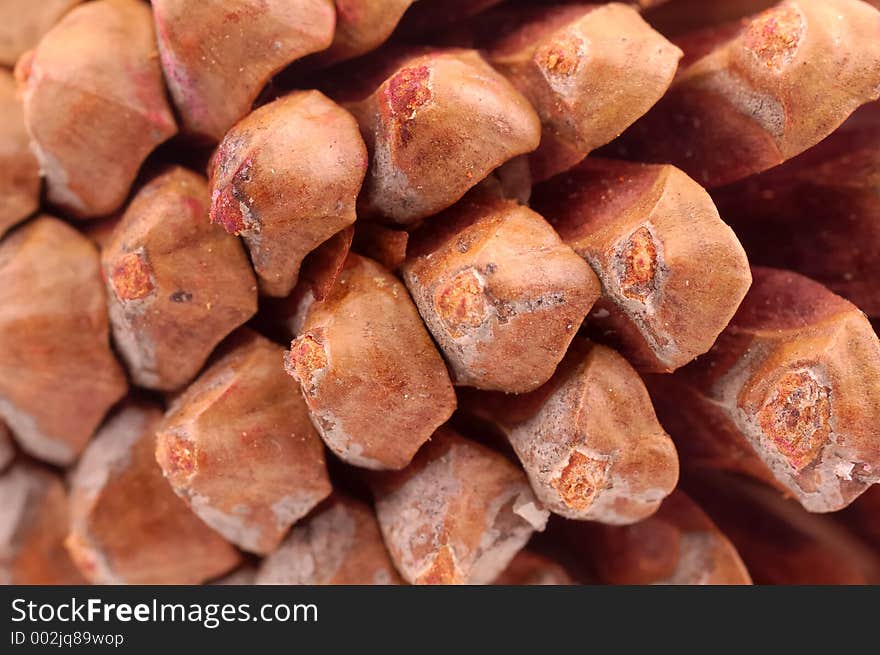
{"type": "Point", "coordinates": [438, 125]}
{"type": "Point", "coordinates": [500, 292]}
{"type": "Point", "coordinates": [819, 214]}
{"type": "Point", "coordinates": [384, 244]}
{"type": "Point", "coordinates": [176, 284]}
{"type": "Point", "coordinates": [779, 541]}
{"type": "Point", "coordinates": [361, 26]}
{"type": "Point", "coordinates": [19, 170]}
{"type": "Point", "coordinates": [23, 23]}
{"type": "Point", "coordinates": [649, 233]}
{"type": "Point", "coordinates": [33, 524]}
{"type": "Point", "coordinates": [58, 376]}
{"type": "Point", "coordinates": [679, 545]}
{"type": "Point", "coordinates": [217, 60]}
{"type": "Point", "coordinates": [457, 515]}
{"type": "Point", "coordinates": [94, 104]}
{"type": "Point", "coordinates": [759, 92]}
{"type": "Point", "coordinates": [340, 544]}
{"type": "Point", "coordinates": [286, 178]}
{"type": "Point", "coordinates": [127, 526]}
{"type": "Point", "coordinates": [375, 384]}
{"type": "Point", "coordinates": [530, 568]}
{"type": "Point", "coordinates": [7, 446]}
{"type": "Point", "coordinates": [238, 447]}
{"type": "Point", "coordinates": [588, 439]}
{"type": "Point", "coordinates": [589, 70]}
{"type": "Point", "coordinates": [790, 394]}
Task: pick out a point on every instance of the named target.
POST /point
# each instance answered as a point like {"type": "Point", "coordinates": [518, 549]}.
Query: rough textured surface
{"type": "Point", "coordinates": [176, 285]}
{"type": "Point", "coordinates": [286, 179]}
{"type": "Point", "coordinates": [217, 61]}
{"type": "Point", "coordinates": [589, 70]}
{"type": "Point", "coordinates": [818, 214]}
{"type": "Point", "coordinates": [779, 541]}
{"type": "Point", "coordinates": [23, 22]}
{"type": "Point", "coordinates": [588, 439]}
{"type": "Point", "coordinates": [239, 448]}
{"type": "Point", "coordinates": [789, 394]}
{"type": "Point", "coordinates": [756, 93]}
{"type": "Point", "coordinates": [649, 232]}
{"type": "Point", "coordinates": [530, 568]}
{"type": "Point", "coordinates": [679, 545]}
{"type": "Point", "coordinates": [94, 104]}
{"type": "Point", "coordinates": [33, 524]}
{"type": "Point", "coordinates": [58, 376]}
{"type": "Point", "coordinates": [500, 292]}
{"type": "Point", "coordinates": [127, 526]}
{"type": "Point", "coordinates": [457, 515]}
{"type": "Point", "coordinates": [19, 170]}
{"type": "Point", "coordinates": [338, 545]}
{"type": "Point", "coordinates": [438, 125]}
{"type": "Point", "coordinates": [375, 384]}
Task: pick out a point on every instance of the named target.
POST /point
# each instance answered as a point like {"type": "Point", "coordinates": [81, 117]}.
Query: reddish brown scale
{"type": "Point", "coordinates": [181, 456]}
{"type": "Point", "coordinates": [287, 206]}
{"type": "Point", "coordinates": [375, 385]}
{"type": "Point", "coordinates": [648, 231]}
{"type": "Point", "coordinates": [754, 93]}
{"type": "Point", "coordinates": [177, 284]}
{"type": "Point", "coordinates": [500, 292]}
{"type": "Point", "coordinates": [437, 122]}
{"type": "Point", "coordinates": [94, 104]}
{"type": "Point", "coordinates": [132, 278]}
{"type": "Point", "coordinates": [307, 361]}
{"type": "Point", "coordinates": [789, 394]}
{"type": "Point", "coordinates": [239, 448]}
{"type": "Point", "coordinates": [580, 481]}
{"type": "Point", "coordinates": [408, 90]}
{"type": "Point", "coordinates": [127, 526]}
{"type": "Point", "coordinates": [460, 303]}
{"type": "Point", "coordinates": [639, 258]}
{"type": "Point", "coordinates": [561, 57]}
{"type": "Point", "coordinates": [226, 211]}
{"type": "Point", "coordinates": [217, 62]}
{"type": "Point", "coordinates": [588, 438]}
{"type": "Point", "coordinates": [338, 544]}
{"type": "Point", "coordinates": [58, 374]}
{"type": "Point", "coordinates": [797, 417]}
{"type": "Point", "coordinates": [590, 70]}
{"type": "Point", "coordinates": [775, 35]}
{"type": "Point", "coordinates": [457, 515]}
